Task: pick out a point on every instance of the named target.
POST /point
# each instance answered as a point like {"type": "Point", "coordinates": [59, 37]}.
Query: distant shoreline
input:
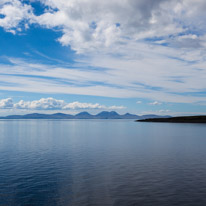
{"type": "Point", "coordinates": [82, 115]}
{"type": "Point", "coordinates": [182, 119]}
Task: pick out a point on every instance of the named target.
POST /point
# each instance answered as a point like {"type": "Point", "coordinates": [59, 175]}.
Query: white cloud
{"type": "Point", "coordinates": [155, 103]}
{"type": "Point", "coordinates": [6, 103]}
{"type": "Point", "coordinates": [108, 23]}
{"type": "Point", "coordinates": [52, 104]}
{"type": "Point", "coordinates": [14, 12]}
{"type": "Point", "coordinates": [120, 78]}
{"type": "Point", "coordinates": [139, 102]}
{"type": "Point", "coordinates": [78, 105]}
{"type": "Point", "coordinates": [112, 35]}
{"type": "Point", "coordinates": [164, 111]}
{"type": "Point", "coordinates": [42, 104]}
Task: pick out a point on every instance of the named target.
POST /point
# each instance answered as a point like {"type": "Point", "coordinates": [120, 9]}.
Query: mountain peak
{"type": "Point", "coordinates": [107, 112]}
{"type": "Point", "coordinates": [108, 115]}
{"type": "Point", "coordinates": [82, 113]}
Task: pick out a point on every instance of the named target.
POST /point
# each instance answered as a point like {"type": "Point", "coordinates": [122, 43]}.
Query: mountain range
{"type": "Point", "coordinates": [83, 115]}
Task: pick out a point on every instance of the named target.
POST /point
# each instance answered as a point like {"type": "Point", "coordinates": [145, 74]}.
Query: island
{"type": "Point", "coordinates": [182, 119]}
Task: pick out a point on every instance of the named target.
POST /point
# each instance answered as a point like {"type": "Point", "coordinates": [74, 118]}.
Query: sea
{"type": "Point", "coordinates": [102, 163]}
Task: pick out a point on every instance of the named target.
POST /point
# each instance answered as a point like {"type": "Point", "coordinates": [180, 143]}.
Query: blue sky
{"type": "Point", "coordinates": [139, 56]}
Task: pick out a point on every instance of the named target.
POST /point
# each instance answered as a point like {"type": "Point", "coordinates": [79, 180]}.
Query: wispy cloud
{"type": "Point", "coordinates": [139, 80]}
{"type": "Point", "coordinates": [165, 111]}
{"type": "Point", "coordinates": [155, 103]}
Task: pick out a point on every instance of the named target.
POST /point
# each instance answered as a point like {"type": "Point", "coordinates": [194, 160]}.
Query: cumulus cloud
{"type": "Point", "coordinates": [14, 13]}
{"type": "Point", "coordinates": [78, 105]}
{"type": "Point", "coordinates": [52, 104]}
{"type": "Point", "coordinates": [106, 23]}
{"type": "Point", "coordinates": [42, 104]}
{"type": "Point", "coordinates": [155, 103]}
{"type": "Point", "coordinates": [139, 102]}
{"type": "Point", "coordinates": [91, 25]}
{"type": "Point", "coordinates": [6, 103]}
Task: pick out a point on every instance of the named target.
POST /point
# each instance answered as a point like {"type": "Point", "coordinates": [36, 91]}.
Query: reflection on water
{"type": "Point", "coordinates": [101, 162]}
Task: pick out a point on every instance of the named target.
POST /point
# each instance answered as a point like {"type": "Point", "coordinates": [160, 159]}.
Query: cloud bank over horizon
{"type": "Point", "coordinates": [52, 104]}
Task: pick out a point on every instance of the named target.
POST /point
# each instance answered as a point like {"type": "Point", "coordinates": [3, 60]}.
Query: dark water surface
{"type": "Point", "coordinates": [101, 162]}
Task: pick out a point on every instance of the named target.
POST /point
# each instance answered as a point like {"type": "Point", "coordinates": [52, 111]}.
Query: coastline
{"type": "Point", "coordinates": [181, 119]}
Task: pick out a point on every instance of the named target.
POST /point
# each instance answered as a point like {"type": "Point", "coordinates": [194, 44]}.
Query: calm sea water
{"type": "Point", "coordinates": [101, 162]}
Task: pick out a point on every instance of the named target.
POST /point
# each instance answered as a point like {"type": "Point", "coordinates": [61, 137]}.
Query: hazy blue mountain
{"type": "Point", "coordinates": [82, 115]}
{"type": "Point", "coordinates": [39, 116]}
{"type": "Point", "coordinates": [108, 115]}
{"type": "Point", "coordinates": [61, 116]}
{"type": "Point", "coordinates": [149, 116]}
{"type": "Point", "coordinates": [36, 116]}
{"type": "Point", "coordinates": [12, 117]}
{"type": "Point", "coordinates": [130, 116]}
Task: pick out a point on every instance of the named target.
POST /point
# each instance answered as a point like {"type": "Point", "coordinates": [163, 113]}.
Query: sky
{"type": "Point", "coordinates": [137, 56]}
